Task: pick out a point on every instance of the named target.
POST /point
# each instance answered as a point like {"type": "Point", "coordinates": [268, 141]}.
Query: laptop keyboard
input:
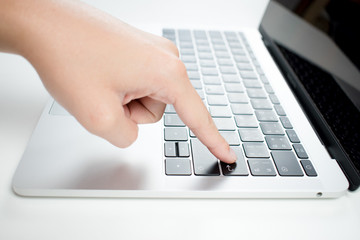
{"type": "Point", "coordinates": [227, 76]}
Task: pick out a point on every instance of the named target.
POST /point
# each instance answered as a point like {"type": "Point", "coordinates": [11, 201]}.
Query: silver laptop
{"type": "Point", "coordinates": [280, 152]}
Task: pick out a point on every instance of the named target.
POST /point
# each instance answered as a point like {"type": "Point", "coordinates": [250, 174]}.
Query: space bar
{"type": "Point", "coordinates": [205, 164]}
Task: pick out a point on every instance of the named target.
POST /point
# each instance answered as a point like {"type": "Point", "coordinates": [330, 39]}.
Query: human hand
{"type": "Point", "coordinates": [110, 76]}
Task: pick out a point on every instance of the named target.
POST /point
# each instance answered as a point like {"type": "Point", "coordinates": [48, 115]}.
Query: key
{"type": "Point", "coordinates": [286, 163]}
{"type": "Point", "coordinates": [300, 150]}
{"type": "Point", "coordinates": [286, 122]}
{"type": "Point", "coordinates": [241, 59]}
{"type": "Point", "coordinates": [234, 88]}
{"type": "Point", "coordinates": [238, 168]}
{"type": "Point", "coordinates": [269, 89]}
{"type": "Point", "coordinates": [191, 67]}
{"type": "Point", "coordinates": [238, 98]}
{"type": "Point", "coordinates": [261, 104]}
{"type": "Point", "coordinates": [292, 136]}
{"type": "Point", "coordinates": [212, 80]}
{"type": "Point", "coordinates": [183, 149]}
{"type": "Point", "coordinates": [222, 54]}
{"type": "Point", "coordinates": [231, 137]}
{"type": "Point", "coordinates": [187, 51]}
{"type": "Point", "coordinates": [173, 120]}
{"type": "Point", "coordinates": [242, 108]}
{"type": "Point", "coordinates": [279, 110]}
{"type": "Point", "coordinates": [209, 71]}
{"type": "Point", "coordinates": [266, 116]}
{"type": "Point", "coordinates": [193, 75]}
{"type": "Point", "coordinates": [214, 90]}
{"type": "Point", "coordinates": [225, 62]}
{"type": "Point", "coordinates": [175, 134]}
{"type": "Point", "coordinates": [261, 167]}
{"type": "Point", "coordinates": [252, 84]}
{"type": "Point", "coordinates": [170, 109]}
{"type": "Point", "coordinates": [227, 70]}
{"type": "Point", "coordinates": [256, 93]}
{"type": "Point", "coordinates": [205, 56]}
{"type": "Point", "coordinates": [309, 168]}
{"type": "Point", "coordinates": [229, 78]}
{"type": "Point", "coordinates": [251, 135]}
{"type": "Point", "coordinates": [201, 48]}
{"type": "Point", "coordinates": [196, 84]}
{"type": "Point", "coordinates": [170, 149]}
{"type": "Point", "coordinates": [188, 59]}
{"type": "Point", "coordinates": [219, 100]}
{"type": "Point", "coordinates": [255, 150]}
{"type": "Point", "coordinates": [238, 51]}
{"type": "Point", "coordinates": [220, 111]}
{"type": "Point", "coordinates": [207, 63]}
{"type": "Point", "coordinates": [177, 166]}
{"type": "Point", "coordinates": [225, 124]}
{"type": "Point", "coordinates": [277, 143]}
{"type": "Point", "coordinates": [274, 99]}
{"type": "Point", "coordinates": [246, 121]}
{"type": "Point", "coordinates": [272, 128]}
{"type": "Point", "coordinates": [205, 164]}
{"type": "Point", "coordinates": [248, 75]}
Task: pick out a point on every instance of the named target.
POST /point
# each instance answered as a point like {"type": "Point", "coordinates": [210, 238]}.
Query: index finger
{"type": "Point", "coordinates": [194, 114]}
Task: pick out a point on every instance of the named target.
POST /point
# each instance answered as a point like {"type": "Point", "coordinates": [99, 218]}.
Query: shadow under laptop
{"type": "Point", "coordinates": [109, 174]}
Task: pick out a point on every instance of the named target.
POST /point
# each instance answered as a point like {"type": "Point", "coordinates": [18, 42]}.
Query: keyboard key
{"type": "Point", "coordinates": [261, 104]}
{"type": "Point", "coordinates": [170, 149]}
{"type": "Point", "coordinates": [261, 167]}
{"type": "Point", "coordinates": [238, 98]}
{"type": "Point", "coordinates": [241, 59]}
{"type": "Point", "coordinates": [207, 71]}
{"type": "Point", "coordinates": [211, 80]}
{"type": "Point", "coordinates": [219, 100]}
{"type": "Point", "coordinates": [279, 110]}
{"type": "Point", "coordinates": [286, 163]}
{"type": "Point", "coordinates": [175, 134]}
{"type": "Point", "coordinates": [251, 135]}
{"type": "Point", "coordinates": [205, 164]}
{"type": "Point", "coordinates": [244, 66]}
{"type": "Point", "coordinates": [238, 51]}
{"type": "Point", "coordinates": [277, 143]}
{"type": "Point", "coordinates": [173, 120]}
{"type": "Point", "coordinates": [187, 51]}
{"type": "Point", "coordinates": [205, 55]}
{"type": "Point", "coordinates": [220, 111]}
{"type": "Point", "coordinates": [241, 109]}
{"type": "Point", "coordinates": [207, 63]}
{"type": "Point", "coordinates": [193, 75]}
{"type": "Point", "coordinates": [300, 151]}
{"type": "Point", "coordinates": [231, 137]}
{"type": "Point", "coordinates": [256, 93]}
{"type": "Point", "coordinates": [271, 128]}
{"type": "Point", "coordinates": [224, 124]}
{"type": "Point", "coordinates": [170, 109]}
{"type": "Point", "coordinates": [292, 136]}
{"type": "Point", "coordinates": [214, 90]}
{"type": "Point", "coordinates": [202, 48]}
{"type": "Point", "coordinates": [227, 70]}
{"type": "Point", "coordinates": [274, 99]}
{"type": "Point", "coordinates": [230, 78]}
{"type": "Point", "coordinates": [234, 88]}
{"type": "Point", "coordinates": [222, 54]}
{"type": "Point", "coordinates": [177, 166]}
{"type": "Point", "coordinates": [308, 168]}
{"type": "Point", "coordinates": [255, 150]}
{"type": "Point", "coordinates": [183, 149]}
{"type": "Point", "coordinates": [268, 89]}
{"type": "Point", "coordinates": [252, 84]}
{"type": "Point", "coordinates": [286, 122]}
{"type": "Point", "coordinates": [225, 62]}
{"type": "Point", "coordinates": [188, 59]}
{"type": "Point", "coordinates": [238, 168]}
{"type": "Point", "coordinates": [246, 121]}
{"type": "Point", "coordinates": [266, 116]}
{"type": "Point", "coordinates": [191, 67]}
{"type": "Point", "coordinates": [248, 74]}
{"type": "Point", "coordinates": [196, 84]}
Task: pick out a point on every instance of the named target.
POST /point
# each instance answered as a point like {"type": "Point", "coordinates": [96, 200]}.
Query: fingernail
{"type": "Point", "coordinates": [232, 155]}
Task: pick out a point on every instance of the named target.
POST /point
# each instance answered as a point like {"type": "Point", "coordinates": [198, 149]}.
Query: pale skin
{"type": "Point", "coordinates": [108, 75]}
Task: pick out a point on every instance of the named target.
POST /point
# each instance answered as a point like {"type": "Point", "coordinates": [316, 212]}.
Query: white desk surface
{"type": "Point", "coordinates": [21, 102]}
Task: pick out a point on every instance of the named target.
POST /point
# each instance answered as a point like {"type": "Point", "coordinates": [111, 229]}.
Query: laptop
{"type": "Point", "coordinates": [275, 120]}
